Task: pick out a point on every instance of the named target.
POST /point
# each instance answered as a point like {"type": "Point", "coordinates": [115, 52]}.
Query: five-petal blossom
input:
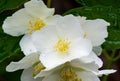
{"type": "Point", "coordinates": [34, 16]}
{"type": "Point", "coordinates": [61, 42]}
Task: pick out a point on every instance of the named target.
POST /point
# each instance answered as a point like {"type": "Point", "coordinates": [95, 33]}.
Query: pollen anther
{"type": "Point", "coordinates": [37, 68]}
{"type": "Point", "coordinates": [62, 45]}
{"type": "Point", "coordinates": [35, 24]}
{"type": "Point", "coordinates": [68, 74]}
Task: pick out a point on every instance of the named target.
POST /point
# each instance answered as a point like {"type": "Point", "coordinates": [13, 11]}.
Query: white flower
{"type": "Point", "coordinates": [61, 43]}
{"type": "Point", "coordinates": [29, 19]}
{"type": "Point", "coordinates": [95, 30]}
{"type": "Point", "coordinates": [73, 72]}
{"type": "Point", "coordinates": [70, 74]}
{"type": "Point", "coordinates": [33, 17]}
{"type": "Point", "coordinates": [81, 63]}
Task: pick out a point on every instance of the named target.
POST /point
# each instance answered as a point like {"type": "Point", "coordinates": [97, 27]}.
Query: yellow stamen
{"type": "Point", "coordinates": [35, 24]}
{"type": "Point", "coordinates": [62, 45]}
{"type": "Point", "coordinates": [68, 74]}
{"type": "Point", "coordinates": [37, 68]}
{"type": "Point", "coordinates": [85, 35]}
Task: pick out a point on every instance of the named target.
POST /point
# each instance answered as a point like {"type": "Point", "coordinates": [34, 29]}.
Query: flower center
{"type": "Point", "coordinates": [85, 35]}
{"type": "Point", "coordinates": [35, 24]}
{"type": "Point", "coordinates": [68, 74]}
{"type": "Point", "coordinates": [62, 45]}
{"type": "Point", "coordinates": [37, 68]}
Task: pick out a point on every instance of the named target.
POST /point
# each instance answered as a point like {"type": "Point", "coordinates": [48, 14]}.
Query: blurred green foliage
{"type": "Point", "coordinates": [10, 4]}
{"type": "Point", "coordinates": [113, 3]}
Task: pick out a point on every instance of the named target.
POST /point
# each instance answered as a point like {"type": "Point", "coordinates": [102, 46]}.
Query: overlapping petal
{"type": "Point", "coordinates": [24, 63]}
{"type": "Point", "coordinates": [95, 30]}
{"type": "Point", "coordinates": [92, 57]}
{"type": "Point", "coordinates": [37, 8]}
{"type": "Point", "coordinates": [27, 45]}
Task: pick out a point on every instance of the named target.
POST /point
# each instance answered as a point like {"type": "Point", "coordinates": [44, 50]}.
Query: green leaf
{"type": "Point", "coordinates": [114, 3]}
{"type": "Point", "coordinates": [10, 4]}
{"type": "Point", "coordinates": [8, 46]}
{"type": "Point", "coordinates": [11, 57]}
{"type": "Point", "coordinates": [110, 14]}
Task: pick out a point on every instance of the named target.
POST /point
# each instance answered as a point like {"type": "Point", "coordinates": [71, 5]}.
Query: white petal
{"type": "Point", "coordinates": [37, 8]}
{"type": "Point", "coordinates": [106, 72]}
{"type": "Point", "coordinates": [82, 19]}
{"type": "Point", "coordinates": [26, 62]}
{"type": "Point", "coordinates": [53, 59]}
{"type": "Point", "coordinates": [97, 50]}
{"type": "Point", "coordinates": [45, 38]}
{"type": "Point", "coordinates": [27, 45]}
{"type": "Point", "coordinates": [52, 77]}
{"type": "Point", "coordinates": [92, 57]}
{"type": "Point", "coordinates": [52, 20]}
{"type": "Point", "coordinates": [44, 73]}
{"type": "Point", "coordinates": [80, 48]}
{"type": "Point", "coordinates": [96, 31]}
{"type": "Point", "coordinates": [27, 75]}
{"type": "Point", "coordinates": [87, 76]}
{"type": "Point", "coordinates": [69, 26]}
{"type": "Point", "coordinates": [16, 24]}
{"type": "Point", "coordinates": [47, 72]}
{"type": "Point", "coordinates": [86, 66]}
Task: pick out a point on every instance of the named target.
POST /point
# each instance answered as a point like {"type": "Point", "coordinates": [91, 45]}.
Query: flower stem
{"type": "Point", "coordinates": [110, 59]}
{"type": "Point", "coordinates": [48, 3]}
{"type": "Point", "coordinates": [117, 57]}
{"type": "Point", "coordinates": [110, 62]}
